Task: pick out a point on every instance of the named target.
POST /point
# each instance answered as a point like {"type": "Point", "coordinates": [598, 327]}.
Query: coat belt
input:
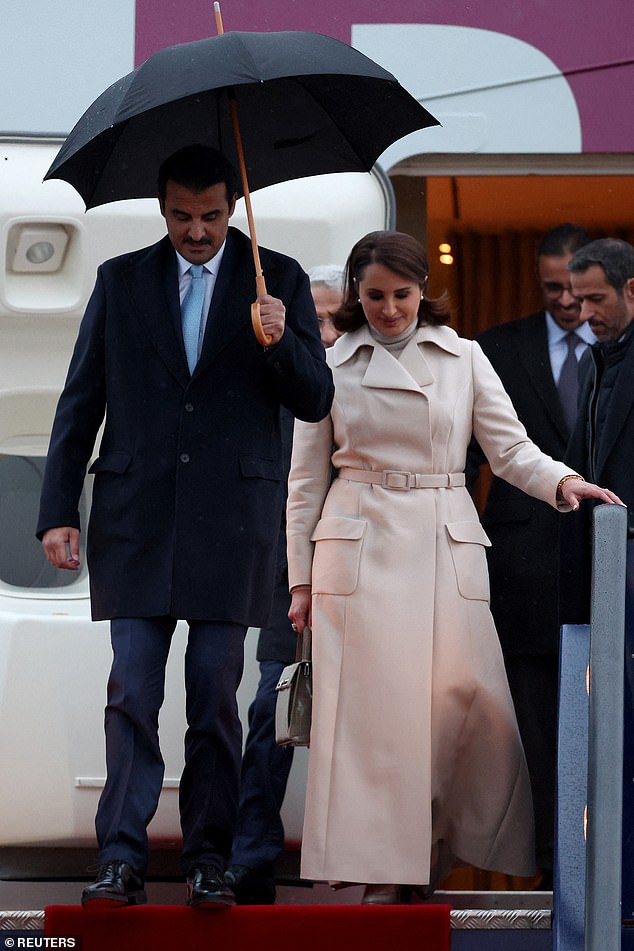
{"type": "Point", "coordinates": [404, 481]}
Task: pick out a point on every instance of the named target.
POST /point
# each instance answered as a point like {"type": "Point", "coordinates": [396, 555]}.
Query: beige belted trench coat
{"type": "Point", "coordinates": [414, 737]}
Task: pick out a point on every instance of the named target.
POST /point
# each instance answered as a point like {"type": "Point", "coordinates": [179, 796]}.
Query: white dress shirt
{"type": "Point", "coordinates": [558, 348]}
{"type": "Point", "coordinates": [210, 273]}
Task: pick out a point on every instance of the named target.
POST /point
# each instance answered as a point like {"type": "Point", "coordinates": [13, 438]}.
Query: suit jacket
{"type": "Point", "coordinates": [612, 449]}
{"type": "Point", "coordinates": [189, 480]}
{"type": "Point", "coordinates": [524, 557]}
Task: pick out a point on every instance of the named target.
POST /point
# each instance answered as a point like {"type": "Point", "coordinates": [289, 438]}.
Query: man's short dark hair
{"type": "Point", "coordinates": [616, 257]}
{"type": "Point", "coordinates": [564, 239]}
{"type": "Point", "coordinates": [197, 167]}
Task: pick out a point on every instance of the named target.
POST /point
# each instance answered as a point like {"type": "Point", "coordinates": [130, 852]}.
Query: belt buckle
{"type": "Point", "coordinates": [397, 474]}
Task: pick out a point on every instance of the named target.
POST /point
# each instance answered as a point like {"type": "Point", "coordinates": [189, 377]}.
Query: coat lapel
{"type": "Point", "coordinates": [411, 372]}
{"type": "Point", "coordinates": [534, 356]}
{"type": "Point", "coordinates": [384, 372]}
{"type": "Point", "coordinates": [230, 308]}
{"type": "Point", "coordinates": [152, 284]}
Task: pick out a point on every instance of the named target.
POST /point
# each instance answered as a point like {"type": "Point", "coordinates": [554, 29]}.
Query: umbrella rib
{"type": "Point", "coordinates": [99, 177]}
{"type": "Point", "coordinates": [331, 119]}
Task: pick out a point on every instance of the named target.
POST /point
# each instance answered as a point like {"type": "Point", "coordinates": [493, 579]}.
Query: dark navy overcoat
{"type": "Point", "coordinates": [189, 478]}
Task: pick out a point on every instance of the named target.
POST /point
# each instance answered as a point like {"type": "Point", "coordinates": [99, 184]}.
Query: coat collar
{"type": "Point", "coordinates": [411, 371]}
{"type": "Point", "coordinates": [151, 280]}
{"type": "Point", "coordinates": [151, 277]}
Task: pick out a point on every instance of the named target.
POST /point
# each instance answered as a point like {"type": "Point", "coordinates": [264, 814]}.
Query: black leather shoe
{"type": "Point", "coordinates": [206, 888]}
{"type": "Point", "coordinates": [116, 885]}
{"type": "Point", "coordinates": [250, 886]}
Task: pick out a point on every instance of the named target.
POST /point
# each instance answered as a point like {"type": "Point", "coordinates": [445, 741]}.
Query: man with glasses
{"type": "Point", "coordinates": [536, 358]}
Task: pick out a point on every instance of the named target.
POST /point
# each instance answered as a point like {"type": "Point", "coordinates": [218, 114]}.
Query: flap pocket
{"type": "Point", "coordinates": [338, 543]}
{"type": "Point", "coordinates": [468, 532]}
{"type": "Point", "coordinates": [337, 526]}
{"type": "Point", "coordinates": [467, 541]}
{"type": "Point", "coordinates": [112, 462]}
{"type": "Point", "coordinates": [254, 467]}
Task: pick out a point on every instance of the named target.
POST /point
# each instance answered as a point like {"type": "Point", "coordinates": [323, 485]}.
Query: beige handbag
{"type": "Point", "coordinates": [293, 707]}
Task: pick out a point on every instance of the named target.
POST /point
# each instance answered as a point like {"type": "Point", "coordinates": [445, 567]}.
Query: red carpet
{"type": "Point", "coordinates": [266, 928]}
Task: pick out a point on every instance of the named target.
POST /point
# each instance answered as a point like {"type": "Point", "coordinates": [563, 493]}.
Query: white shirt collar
{"type": "Point", "coordinates": [213, 265]}
{"type": "Point", "coordinates": [557, 333]}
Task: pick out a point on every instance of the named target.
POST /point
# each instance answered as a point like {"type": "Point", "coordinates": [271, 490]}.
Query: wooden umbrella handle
{"type": "Point", "coordinates": [260, 286]}
{"type": "Point", "coordinates": [262, 337]}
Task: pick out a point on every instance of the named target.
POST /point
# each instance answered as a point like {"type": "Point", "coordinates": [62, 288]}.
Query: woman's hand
{"type": "Point", "coordinates": [300, 612]}
{"type": "Point", "coordinates": [573, 491]}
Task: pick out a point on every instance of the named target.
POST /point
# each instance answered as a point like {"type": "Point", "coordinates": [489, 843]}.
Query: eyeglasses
{"type": "Point", "coordinates": [553, 289]}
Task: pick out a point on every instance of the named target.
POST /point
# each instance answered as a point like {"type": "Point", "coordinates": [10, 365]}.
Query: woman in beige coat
{"type": "Point", "coordinates": [415, 756]}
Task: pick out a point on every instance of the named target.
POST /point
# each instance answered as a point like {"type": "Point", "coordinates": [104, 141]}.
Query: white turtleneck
{"type": "Point", "coordinates": [395, 345]}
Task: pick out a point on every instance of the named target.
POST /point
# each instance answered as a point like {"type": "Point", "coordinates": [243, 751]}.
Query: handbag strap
{"type": "Point", "coordinates": [304, 645]}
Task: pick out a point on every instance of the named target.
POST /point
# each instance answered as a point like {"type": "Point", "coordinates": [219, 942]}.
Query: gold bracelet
{"type": "Point", "coordinates": [558, 493]}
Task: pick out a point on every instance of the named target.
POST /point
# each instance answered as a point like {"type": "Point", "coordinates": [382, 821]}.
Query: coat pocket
{"type": "Point", "coordinates": [115, 461]}
{"type": "Point", "coordinates": [338, 542]}
{"type": "Point", "coordinates": [467, 541]}
{"type": "Point", "coordinates": [254, 467]}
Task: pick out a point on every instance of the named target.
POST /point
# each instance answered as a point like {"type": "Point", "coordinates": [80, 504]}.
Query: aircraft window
{"type": "Point", "coordinates": [22, 560]}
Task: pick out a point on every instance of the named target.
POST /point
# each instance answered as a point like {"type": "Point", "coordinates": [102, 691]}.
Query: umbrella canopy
{"type": "Point", "coordinates": [308, 104]}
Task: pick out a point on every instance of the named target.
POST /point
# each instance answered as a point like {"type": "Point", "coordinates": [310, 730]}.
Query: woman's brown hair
{"type": "Point", "coordinates": [400, 253]}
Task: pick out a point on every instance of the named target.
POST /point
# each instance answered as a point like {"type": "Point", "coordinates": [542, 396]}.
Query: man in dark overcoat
{"type": "Point", "coordinates": [602, 443]}
{"type": "Point", "coordinates": [528, 355]}
{"type": "Point", "coordinates": [602, 446]}
{"type": "Point", "coordinates": [186, 503]}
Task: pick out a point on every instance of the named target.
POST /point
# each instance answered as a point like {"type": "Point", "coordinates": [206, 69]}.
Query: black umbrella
{"type": "Point", "coordinates": [308, 104]}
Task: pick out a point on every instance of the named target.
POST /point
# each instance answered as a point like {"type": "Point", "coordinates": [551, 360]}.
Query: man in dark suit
{"type": "Point", "coordinates": [529, 355]}
{"type": "Point", "coordinates": [187, 500]}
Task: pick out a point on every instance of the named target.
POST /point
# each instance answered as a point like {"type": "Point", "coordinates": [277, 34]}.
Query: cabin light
{"type": "Point", "coordinates": [444, 253]}
{"type": "Point", "coordinates": [38, 248]}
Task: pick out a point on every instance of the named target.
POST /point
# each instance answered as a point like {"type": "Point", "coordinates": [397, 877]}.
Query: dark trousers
{"type": "Point", "coordinates": [259, 837]}
{"type": "Point", "coordinates": [134, 766]}
{"type": "Point", "coordinates": [534, 683]}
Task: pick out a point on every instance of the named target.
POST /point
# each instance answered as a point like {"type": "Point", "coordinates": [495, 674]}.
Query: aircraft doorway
{"type": "Point", "coordinates": [491, 218]}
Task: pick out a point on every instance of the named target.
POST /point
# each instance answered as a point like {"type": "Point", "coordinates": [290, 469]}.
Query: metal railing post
{"type": "Point", "coordinates": [605, 730]}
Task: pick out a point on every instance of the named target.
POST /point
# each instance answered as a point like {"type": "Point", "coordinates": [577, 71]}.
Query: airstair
{"type": "Point", "coordinates": [592, 906]}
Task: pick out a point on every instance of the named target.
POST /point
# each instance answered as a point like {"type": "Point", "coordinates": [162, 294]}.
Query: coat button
{"type": "Point", "coordinates": [189, 407]}
{"type": "Point", "coordinates": [184, 457]}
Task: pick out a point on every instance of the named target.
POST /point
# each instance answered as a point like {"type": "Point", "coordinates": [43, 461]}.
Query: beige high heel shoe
{"type": "Point", "coordinates": [382, 895]}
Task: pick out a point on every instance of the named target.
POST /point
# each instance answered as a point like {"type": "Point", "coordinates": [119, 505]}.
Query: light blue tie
{"type": "Point", "coordinates": [192, 309]}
